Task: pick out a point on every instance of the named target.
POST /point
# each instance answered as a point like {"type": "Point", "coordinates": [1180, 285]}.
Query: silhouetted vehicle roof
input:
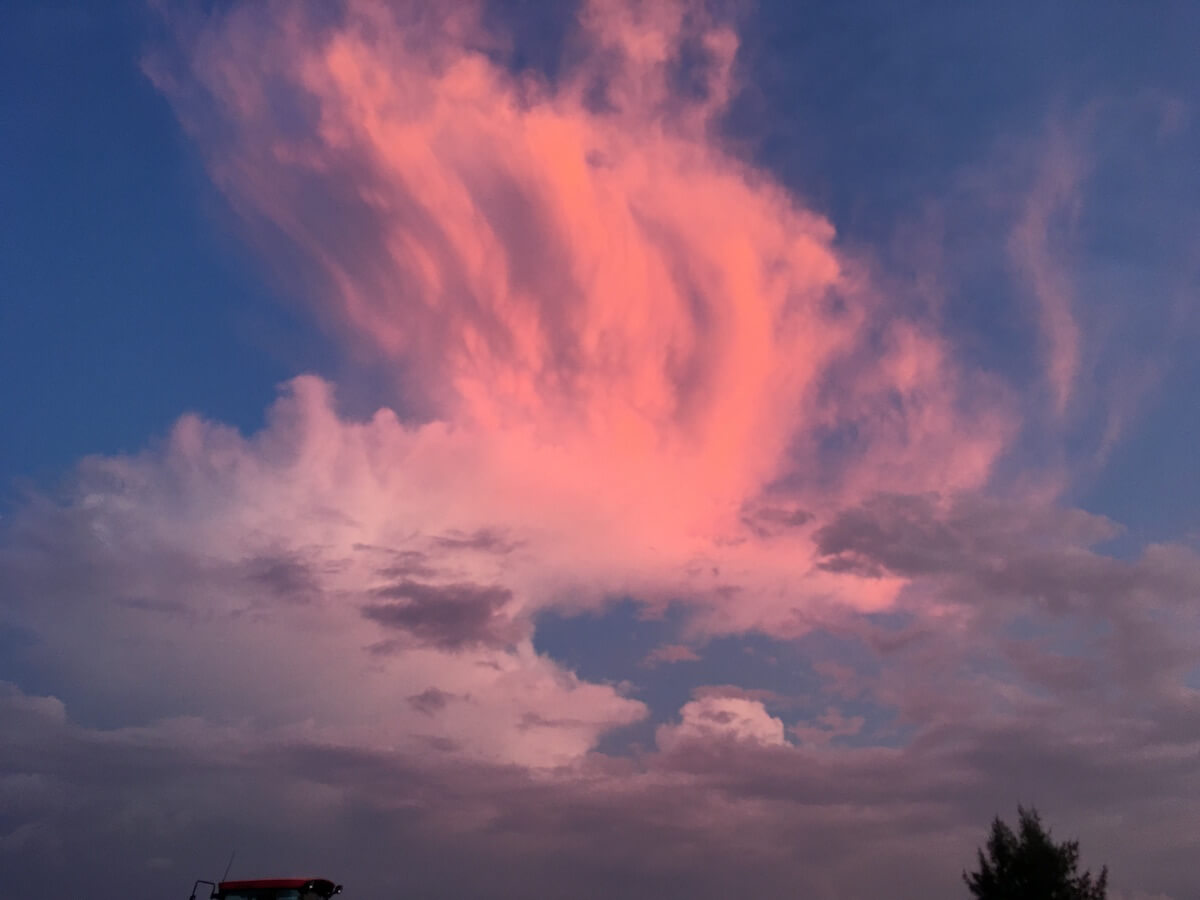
{"type": "Point", "coordinates": [320, 885]}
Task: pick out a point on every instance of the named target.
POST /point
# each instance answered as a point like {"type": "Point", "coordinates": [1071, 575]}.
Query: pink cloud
{"type": "Point", "coordinates": [1097, 355]}
{"type": "Point", "coordinates": [670, 653]}
{"type": "Point", "coordinates": [718, 718]}
{"type": "Point", "coordinates": [635, 350]}
{"type": "Point", "coordinates": [623, 333]}
{"type": "Point", "coordinates": [300, 580]}
{"type": "Point", "coordinates": [1041, 246]}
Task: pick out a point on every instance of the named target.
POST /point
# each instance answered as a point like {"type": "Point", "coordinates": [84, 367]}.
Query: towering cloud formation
{"type": "Point", "coordinates": [643, 369]}
{"type": "Point", "coordinates": [629, 333]}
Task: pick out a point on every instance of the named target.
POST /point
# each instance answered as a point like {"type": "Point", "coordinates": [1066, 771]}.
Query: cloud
{"type": "Point", "coordinates": [742, 808]}
{"type": "Point", "coordinates": [670, 653]}
{"type": "Point", "coordinates": [1064, 323]}
{"type": "Point", "coordinates": [288, 576]}
{"type": "Point", "coordinates": [926, 534]}
{"type": "Point", "coordinates": [1070, 618]}
{"type": "Point", "coordinates": [484, 540]}
{"type": "Point", "coordinates": [1092, 724]}
{"type": "Point", "coordinates": [577, 271]}
{"type": "Point", "coordinates": [768, 521]}
{"type": "Point", "coordinates": [431, 700]}
{"type": "Point", "coordinates": [711, 717]}
{"type": "Point", "coordinates": [627, 362]}
{"type": "Point", "coordinates": [1040, 246]}
{"type": "Point", "coordinates": [191, 560]}
{"type": "Point", "coordinates": [830, 725]}
{"type": "Point", "coordinates": [446, 616]}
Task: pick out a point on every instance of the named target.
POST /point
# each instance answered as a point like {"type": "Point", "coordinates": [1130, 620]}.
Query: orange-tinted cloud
{"type": "Point", "coordinates": [647, 371]}
{"type": "Point", "coordinates": [626, 332]}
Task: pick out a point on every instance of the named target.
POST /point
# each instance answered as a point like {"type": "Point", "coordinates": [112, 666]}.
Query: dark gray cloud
{"type": "Point", "coordinates": [1031, 621]}
{"type": "Point", "coordinates": [921, 534]}
{"type": "Point", "coordinates": [448, 616]}
{"type": "Point", "coordinates": [289, 577]}
{"type": "Point", "coordinates": [431, 700]}
{"type": "Point", "coordinates": [482, 540]}
{"type": "Point", "coordinates": [767, 520]}
{"type": "Point", "coordinates": [159, 806]}
{"type": "Point", "coordinates": [407, 563]}
{"type": "Point", "coordinates": [1021, 665]}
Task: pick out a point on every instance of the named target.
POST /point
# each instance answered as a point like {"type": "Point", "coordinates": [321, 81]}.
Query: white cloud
{"type": "Point", "coordinates": [716, 718]}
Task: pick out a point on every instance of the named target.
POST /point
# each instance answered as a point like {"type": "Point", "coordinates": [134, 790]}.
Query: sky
{"type": "Point", "coordinates": [587, 448]}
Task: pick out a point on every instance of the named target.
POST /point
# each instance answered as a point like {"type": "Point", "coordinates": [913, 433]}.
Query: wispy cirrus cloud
{"type": "Point", "coordinates": [670, 653]}
{"type": "Point", "coordinates": [642, 365]}
{"type": "Point", "coordinates": [635, 331]}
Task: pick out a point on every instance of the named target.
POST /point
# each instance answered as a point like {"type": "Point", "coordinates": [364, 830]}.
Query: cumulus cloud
{"type": "Point", "coordinates": [247, 576]}
{"type": "Point", "coordinates": [713, 717]}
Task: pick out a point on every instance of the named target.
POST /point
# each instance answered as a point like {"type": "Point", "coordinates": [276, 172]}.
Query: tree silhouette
{"type": "Point", "coordinates": [1029, 865]}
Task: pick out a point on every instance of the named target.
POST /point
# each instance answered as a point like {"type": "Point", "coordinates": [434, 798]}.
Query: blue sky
{"type": "Point", "coordinates": [128, 298]}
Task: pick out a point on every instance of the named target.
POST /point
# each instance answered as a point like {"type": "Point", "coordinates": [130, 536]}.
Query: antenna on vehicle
{"type": "Point", "coordinates": [229, 866]}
